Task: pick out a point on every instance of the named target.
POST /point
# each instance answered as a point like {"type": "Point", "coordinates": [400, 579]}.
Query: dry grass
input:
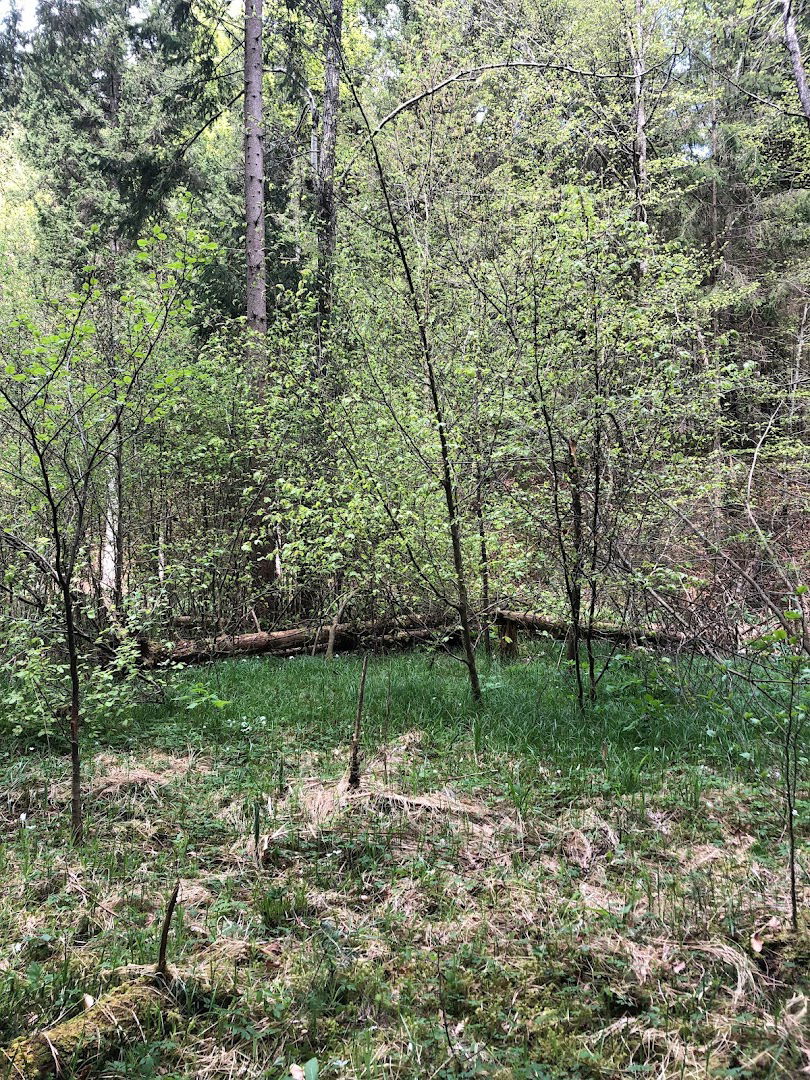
{"type": "Point", "coordinates": [399, 932]}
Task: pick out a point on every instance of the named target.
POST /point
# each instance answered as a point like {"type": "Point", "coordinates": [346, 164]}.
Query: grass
{"type": "Point", "coordinates": [516, 891]}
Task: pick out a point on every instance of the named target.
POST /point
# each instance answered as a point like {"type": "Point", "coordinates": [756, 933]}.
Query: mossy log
{"type": "Point", "coordinates": [116, 1018]}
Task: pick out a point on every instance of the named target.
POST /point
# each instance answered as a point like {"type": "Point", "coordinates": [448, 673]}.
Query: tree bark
{"type": "Point", "coordinates": [507, 637]}
{"type": "Point", "coordinates": [64, 565]}
{"type": "Point", "coordinates": [256, 293]}
{"type": "Point", "coordinates": [454, 527]}
{"type": "Point", "coordinates": [354, 758]}
{"type": "Point", "coordinates": [76, 815]}
{"type": "Point", "coordinates": [795, 52]}
{"type": "Point", "coordinates": [574, 582]}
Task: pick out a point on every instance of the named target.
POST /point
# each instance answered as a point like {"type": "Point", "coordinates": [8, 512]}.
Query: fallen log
{"type": "Point", "coordinates": [116, 1018]}
{"type": "Point", "coordinates": [401, 632]}
{"type": "Point", "coordinates": [510, 623]}
{"type": "Point", "coordinates": [141, 1000]}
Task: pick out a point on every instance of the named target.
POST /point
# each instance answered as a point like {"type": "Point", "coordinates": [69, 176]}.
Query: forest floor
{"type": "Point", "coordinates": [517, 891]}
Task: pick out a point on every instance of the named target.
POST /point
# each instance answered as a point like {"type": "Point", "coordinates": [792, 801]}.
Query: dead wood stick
{"type": "Point", "coordinates": [354, 763]}
{"type": "Point", "coordinates": [164, 931]}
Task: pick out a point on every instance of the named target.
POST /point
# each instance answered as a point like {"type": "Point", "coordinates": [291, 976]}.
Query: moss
{"type": "Point", "coordinates": [786, 955]}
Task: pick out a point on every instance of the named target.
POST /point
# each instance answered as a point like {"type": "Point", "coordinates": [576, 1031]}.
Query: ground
{"type": "Point", "coordinates": [514, 891]}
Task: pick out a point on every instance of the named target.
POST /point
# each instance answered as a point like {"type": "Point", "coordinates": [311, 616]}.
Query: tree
{"type": "Point", "coordinates": [11, 41]}
{"type": "Point", "coordinates": [63, 403]}
{"type": "Point", "coordinates": [113, 99]}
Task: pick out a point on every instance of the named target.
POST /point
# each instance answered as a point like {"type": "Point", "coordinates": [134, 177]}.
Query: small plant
{"type": "Point", "coordinates": [198, 695]}
{"type": "Point", "coordinates": [520, 789]}
{"type": "Point", "coordinates": [280, 905]}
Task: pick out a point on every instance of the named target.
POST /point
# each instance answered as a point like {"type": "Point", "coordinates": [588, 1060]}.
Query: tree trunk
{"type": "Point", "coordinates": [402, 632]}
{"type": "Point", "coordinates": [507, 637]}
{"type": "Point", "coordinates": [327, 209]}
{"type": "Point", "coordinates": [330, 647]}
{"type": "Point", "coordinates": [447, 478]}
{"type": "Point", "coordinates": [256, 295]}
{"type": "Point", "coordinates": [795, 52]}
{"type": "Point", "coordinates": [112, 548]}
{"type": "Point", "coordinates": [455, 529]}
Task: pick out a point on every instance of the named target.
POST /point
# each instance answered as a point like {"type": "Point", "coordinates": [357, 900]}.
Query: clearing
{"type": "Point", "coordinates": [514, 892]}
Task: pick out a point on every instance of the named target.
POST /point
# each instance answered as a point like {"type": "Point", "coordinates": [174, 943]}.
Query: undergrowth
{"type": "Point", "coordinates": [516, 890]}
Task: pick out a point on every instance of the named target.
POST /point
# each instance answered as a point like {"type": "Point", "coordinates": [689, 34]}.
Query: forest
{"type": "Point", "coordinates": [404, 552]}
